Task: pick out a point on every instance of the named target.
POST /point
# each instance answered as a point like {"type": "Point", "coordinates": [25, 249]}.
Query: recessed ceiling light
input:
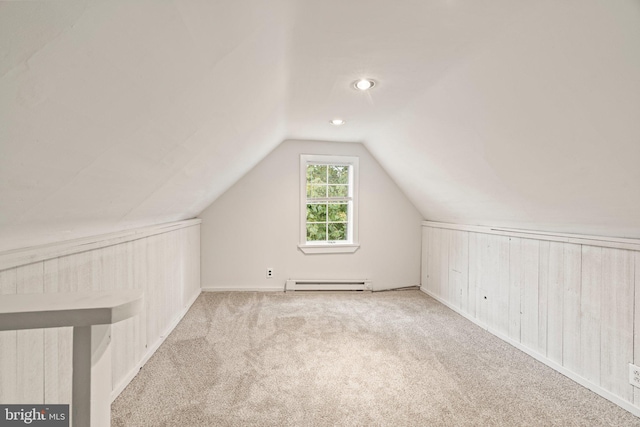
{"type": "Point", "coordinates": [364, 84]}
{"type": "Point", "coordinates": [337, 122]}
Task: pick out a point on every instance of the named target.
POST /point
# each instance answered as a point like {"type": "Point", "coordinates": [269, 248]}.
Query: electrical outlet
{"type": "Point", "coordinates": [269, 273]}
{"type": "Point", "coordinates": [634, 375]}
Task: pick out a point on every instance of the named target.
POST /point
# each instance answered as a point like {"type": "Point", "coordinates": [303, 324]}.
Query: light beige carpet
{"type": "Point", "coordinates": [347, 359]}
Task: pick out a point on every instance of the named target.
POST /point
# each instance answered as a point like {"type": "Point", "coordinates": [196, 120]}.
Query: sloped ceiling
{"type": "Point", "coordinates": [117, 114]}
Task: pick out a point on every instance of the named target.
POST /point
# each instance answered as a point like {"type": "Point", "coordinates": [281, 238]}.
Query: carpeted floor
{"type": "Point", "coordinates": [347, 359]}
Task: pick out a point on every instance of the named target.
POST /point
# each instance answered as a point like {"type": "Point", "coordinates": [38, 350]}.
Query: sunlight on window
{"type": "Point", "coordinates": [328, 199]}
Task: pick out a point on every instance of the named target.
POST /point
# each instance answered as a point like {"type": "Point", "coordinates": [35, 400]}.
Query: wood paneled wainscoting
{"type": "Point", "coordinates": [161, 260]}
{"type": "Point", "coordinates": [570, 301]}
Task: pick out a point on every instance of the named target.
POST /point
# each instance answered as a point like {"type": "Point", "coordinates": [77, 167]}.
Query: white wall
{"type": "Point", "coordinates": [568, 301]}
{"type": "Point", "coordinates": [255, 225]}
{"type": "Point", "coordinates": [164, 261]}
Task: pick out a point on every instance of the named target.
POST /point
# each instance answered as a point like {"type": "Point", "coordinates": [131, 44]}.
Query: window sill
{"type": "Point", "coordinates": [329, 249]}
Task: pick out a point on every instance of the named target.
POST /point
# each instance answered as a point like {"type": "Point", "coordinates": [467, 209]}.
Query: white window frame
{"type": "Point", "coordinates": [350, 245]}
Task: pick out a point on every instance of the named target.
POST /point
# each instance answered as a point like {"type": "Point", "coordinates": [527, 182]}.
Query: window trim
{"type": "Point", "coordinates": [349, 246]}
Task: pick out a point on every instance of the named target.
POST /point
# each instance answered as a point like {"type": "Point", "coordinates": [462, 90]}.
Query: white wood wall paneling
{"type": "Point", "coordinates": [636, 323]}
{"type": "Point", "coordinates": [35, 366]}
{"type": "Point", "coordinates": [590, 309]}
{"type": "Point", "coordinates": [481, 270]}
{"type": "Point", "coordinates": [474, 275]}
{"type": "Point", "coordinates": [529, 292]}
{"type": "Point", "coordinates": [194, 248]}
{"type": "Point", "coordinates": [141, 282]}
{"type": "Point", "coordinates": [524, 301]}
{"type": "Point", "coordinates": [123, 333]}
{"type": "Point", "coordinates": [544, 254]}
{"type": "Point", "coordinates": [432, 253]}
{"type": "Point", "coordinates": [516, 287]}
{"type": "Point", "coordinates": [174, 256]}
{"type": "Point", "coordinates": [58, 346]}
{"type": "Point", "coordinates": [154, 285]}
{"type": "Point", "coordinates": [435, 247]}
{"type": "Point", "coordinates": [459, 269]}
{"type": "Point", "coordinates": [75, 272]}
{"type": "Point", "coordinates": [450, 287]}
{"type": "Point", "coordinates": [616, 334]}
{"type": "Point", "coordinates": [575, 305]}
{"type": "Point", "coordinates": [488, 281]}
{"type": "Point", "coordinates": [438, 259]}
{"type": "Point", "coordinates": [193, 242]}
{"type": "Point", "coordinates": [571, 320]}
{"type": "Point", "coordinates": [30, 343]}
{"type": "Point", "coordinates": [52, 352]}
{"type": "Point", "coordinates": [498, 280]}
{"type": "Point", "coordinates": [443, 258]}
{"type": "Point", "coordinates": [133, 341]}
{"type": "Point", "coordinates": [424, 264]}
{"type": "Point", "coordinates": [171, 257]}
{"type": "Point", "coordinates": [104, 267]}
{"type": "Point", "coordinates": [442, 262]}
{"type": "Point", "coordinates": [168, 256]}
{"type": "Point", "coordinates": [8, 345]}
{"type": "Point", "coordinates": [551, 298]}
{"type": "Point", "coordinates": [129, 337]}
{"type": "Point", "coordinates": [177, 254]}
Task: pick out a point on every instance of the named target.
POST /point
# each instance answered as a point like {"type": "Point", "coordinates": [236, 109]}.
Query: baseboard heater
{"type": "Point", "coordinates": [327, 285]}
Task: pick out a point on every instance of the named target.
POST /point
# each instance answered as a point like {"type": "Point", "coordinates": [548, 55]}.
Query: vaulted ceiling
{"type": "Point", "coordinates": [117, 114]}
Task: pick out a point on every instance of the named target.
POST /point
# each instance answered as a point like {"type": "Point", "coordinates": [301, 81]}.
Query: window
{"type": "Point", "coordinates": [329, 204]}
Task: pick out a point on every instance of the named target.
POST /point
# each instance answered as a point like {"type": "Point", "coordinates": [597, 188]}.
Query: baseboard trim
{"type": "Point", "coordinates": [628, 406]}
{"type": "Point", "coordinates": [271, 289]}
{"type": "Point", "coordinates": [152, 349]}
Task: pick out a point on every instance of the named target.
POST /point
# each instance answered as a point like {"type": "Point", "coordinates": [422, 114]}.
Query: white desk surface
{"type": "Point", "coordinates": [32, 311]}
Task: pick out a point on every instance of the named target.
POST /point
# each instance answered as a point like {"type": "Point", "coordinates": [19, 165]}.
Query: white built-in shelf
{"type": "Point", "coordinates": [91, 315]}
{"type": "Point", "coordinates": [33, 311]}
